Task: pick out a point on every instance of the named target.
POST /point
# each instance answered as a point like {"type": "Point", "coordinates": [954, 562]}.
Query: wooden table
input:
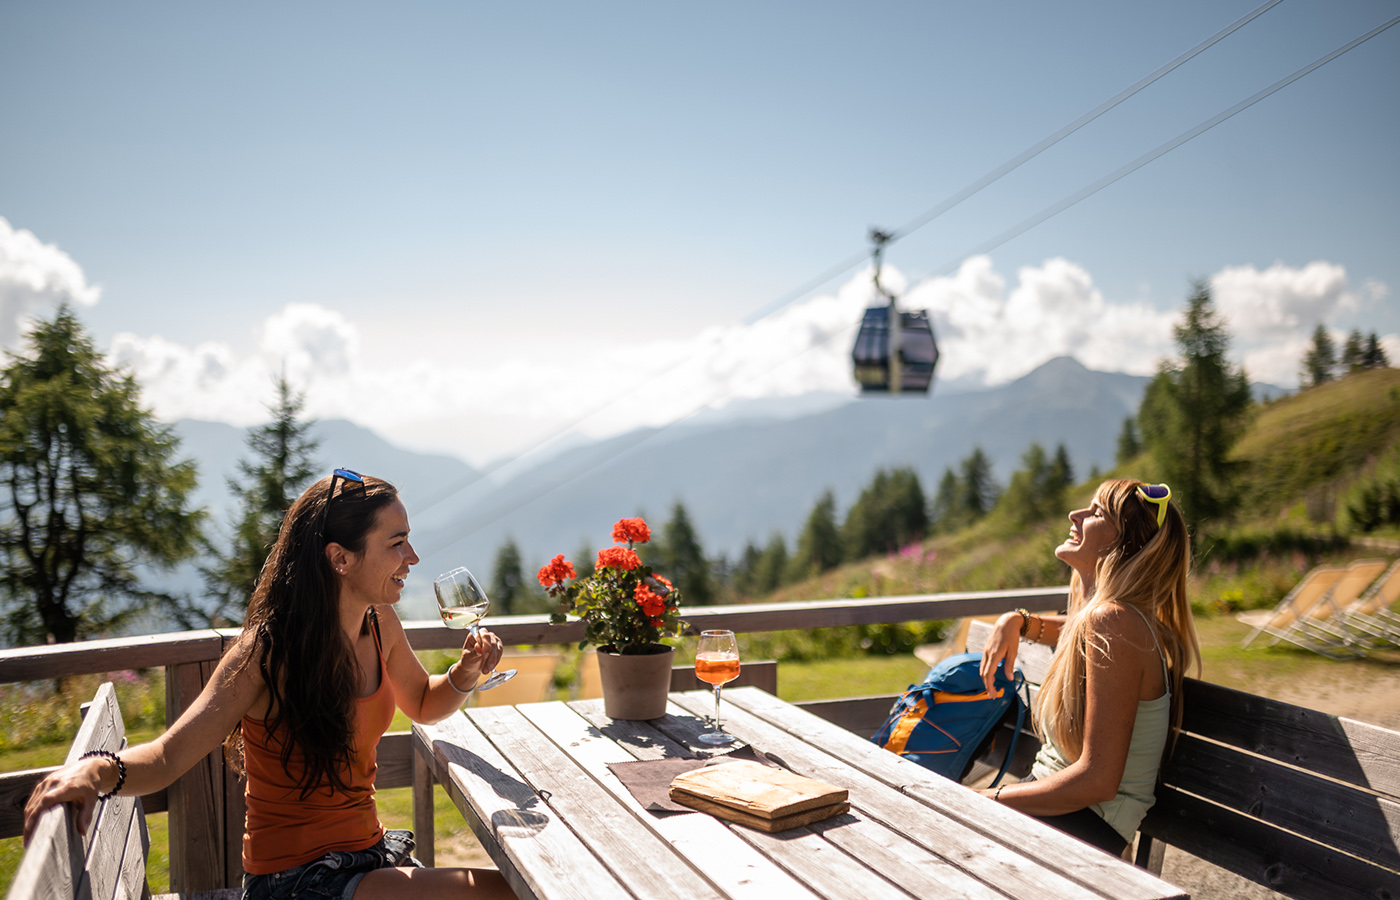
{"type": "Point", "coordinates": [532, 781]}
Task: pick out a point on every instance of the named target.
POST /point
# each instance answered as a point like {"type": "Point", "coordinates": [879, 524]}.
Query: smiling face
{"type": "Point", "coordinates": [376, 575]}
{"type": "Point", "coordinates": [1091, 534]}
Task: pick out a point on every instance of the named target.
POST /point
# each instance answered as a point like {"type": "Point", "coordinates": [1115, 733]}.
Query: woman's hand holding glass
{"type": "Point", "coordinates": [463, 603]}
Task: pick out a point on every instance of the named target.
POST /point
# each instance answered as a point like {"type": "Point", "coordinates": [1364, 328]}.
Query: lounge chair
{"type": "Point", "coordinates": [1327, 626]}
{"type": "Point", "coordinates": [1304, 601]}
{"type": "Point", "coordinates": [1370, 619]}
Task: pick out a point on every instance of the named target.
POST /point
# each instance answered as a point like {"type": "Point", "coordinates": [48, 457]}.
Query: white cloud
{"type": "Point", "coordinates": [35, 277]}
{"type": "Point", "coordinates": [987, 336]}
{"type": "Point", "coordinates": [1271, 314]}
{"type": "Point", "coordinates": [989, 332]}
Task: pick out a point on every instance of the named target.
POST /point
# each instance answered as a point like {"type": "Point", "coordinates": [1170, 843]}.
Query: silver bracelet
{"type": "Point", "coordinates": [448, 676]}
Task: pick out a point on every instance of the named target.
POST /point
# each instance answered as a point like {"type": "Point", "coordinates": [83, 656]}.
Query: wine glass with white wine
{"type": "Point", "coordinates": [462, 604]}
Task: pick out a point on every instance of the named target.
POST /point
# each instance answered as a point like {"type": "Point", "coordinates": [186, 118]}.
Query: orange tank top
{"type": "Point", "coordinates": [282, 828]}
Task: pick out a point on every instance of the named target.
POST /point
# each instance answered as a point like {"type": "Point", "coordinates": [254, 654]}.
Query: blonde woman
{"type": "Point", "coordinates": [1113, 691]}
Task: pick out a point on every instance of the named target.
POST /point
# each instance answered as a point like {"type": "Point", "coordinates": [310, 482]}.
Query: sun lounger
{"type": "Point", "coordinates": [1328, 628]}
{"type": "Point", "coordinates": [1305, 601]}
{"type": "Point", "coordinates": [1370, 619]}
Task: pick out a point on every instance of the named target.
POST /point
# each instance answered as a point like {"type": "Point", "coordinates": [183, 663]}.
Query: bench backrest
{"type": "Point", "coordinates": [1302, 802]}
{"type": "Point", "coordinates": [109, 862]}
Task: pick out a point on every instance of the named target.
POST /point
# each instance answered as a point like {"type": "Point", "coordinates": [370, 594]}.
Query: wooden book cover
{"type": "Point", "coordinates": [756, 790]}
{"type": "Point", "coordinates": [769, 826]}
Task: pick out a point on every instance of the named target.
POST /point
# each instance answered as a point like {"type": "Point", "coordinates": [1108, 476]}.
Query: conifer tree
{"type": "Point", "coordinates": [1321, 359]}
{"type": "Point", "coordinates": [979, 491]}
{"type": "Point", "coordinates": [889, 514]}
{"type": "Point", "coordinates": [772, 566]}
{"type": "Point", "coordinates": [1194, 410]}
{"type": "Point", "coordinates": [90, 489]}
{"type": "Point", "coordinates": [1374, 357]}
{"type": "Point", "coordinates": [683, 560]}
{"type": "Point", "coordinates": [943, 512]}
{"type": "Point", "coordinates": [281, 468]}
{"type": "Point", "coordinates": [1129, 445]}
{"type": "Point", "coordinates": [509, 592]}
{"type": "Point", "coordinates": [819, 546]}
{"type": "Point", "coordinates": [1353, 353]}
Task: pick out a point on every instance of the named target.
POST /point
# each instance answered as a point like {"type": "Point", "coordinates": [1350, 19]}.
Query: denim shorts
{"type": "Point", "coordinates": [335, 875]}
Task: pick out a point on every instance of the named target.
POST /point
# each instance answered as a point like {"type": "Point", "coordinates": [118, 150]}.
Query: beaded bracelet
{"type": "Point", "coordinates": [121, 770]}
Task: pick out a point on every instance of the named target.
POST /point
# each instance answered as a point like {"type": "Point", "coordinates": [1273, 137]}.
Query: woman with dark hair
{"type": "Point", "coordinates": [301, 700]}
{"type": "Point", "coordinates": [1112, 695]}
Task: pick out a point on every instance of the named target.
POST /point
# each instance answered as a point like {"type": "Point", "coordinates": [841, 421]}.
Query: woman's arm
{"type": "Point", "coordinates": [1005, 641]}
{"type": "Point", "coordinates": [153, 766]}
{"type": "Point", "coordinates": [432, 698]}
{"type": "Point", "coordinates": [1114, 682]}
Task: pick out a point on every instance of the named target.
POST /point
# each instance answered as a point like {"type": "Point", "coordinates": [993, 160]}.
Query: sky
{"type": "Point", "coordinates": [478, 229]}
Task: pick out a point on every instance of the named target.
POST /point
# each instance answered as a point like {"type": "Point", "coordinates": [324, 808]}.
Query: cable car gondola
{"type": "Point", "coordinates": [895, 351]}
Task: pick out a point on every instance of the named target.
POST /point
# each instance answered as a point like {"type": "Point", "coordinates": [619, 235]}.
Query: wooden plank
{"type": "Point", "coordinates": [107, 840]}
{"type": "Point", "coordinates": [761, 673]}
{"type": "Point", "coordinates": [535, 851]}
{"type": "Point", "coordinates": [1359, 754]}
{"type": "Point", "coordinates": [131, 880]}
{"type": "Point", "coordinates": [1071, 858]}
{"type": "Point", "coordinates": [47, 869]}
{"type": "Point", "coordinates": [993, 858]}
{"type": "Point", "coordinates": [424, 828]}
{"type": "Point", "coordinates": [620, 840]}
{"type": "Point", "coordinates": [198, 836]}
{"type": "Point", "coordinates": [1326, 811]}
{"type": "Point", "coordinates": [108, 655]}
{"type": "Point", "coordinates": [728, 857]}
{"type": "Point", "coordinates": [1287, 863]}
{"type": "Point", "coordinates": [395, 761]}
{"type": "Point", "coordinates": [432, 635]}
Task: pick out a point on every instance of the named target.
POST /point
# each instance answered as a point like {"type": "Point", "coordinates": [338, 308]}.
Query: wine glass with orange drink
{"type": "Point", "coordinates": [717, 663]}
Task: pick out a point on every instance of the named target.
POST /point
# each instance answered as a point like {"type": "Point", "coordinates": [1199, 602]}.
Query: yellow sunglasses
{"type": "Point", "coordinates": [1158, 494]}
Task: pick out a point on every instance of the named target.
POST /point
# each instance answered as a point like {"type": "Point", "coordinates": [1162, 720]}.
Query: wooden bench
{"type": "Point", "coordinates": [1304, 803]}
{"type": "Point", "coordinates": [109, 862]}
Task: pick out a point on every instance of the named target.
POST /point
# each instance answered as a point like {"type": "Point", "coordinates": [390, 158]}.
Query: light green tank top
{"type": "Point", "coordinates": [1136, 793]}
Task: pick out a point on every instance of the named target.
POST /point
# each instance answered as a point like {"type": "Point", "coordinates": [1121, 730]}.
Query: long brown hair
{"type": "Point", "coordinates": [1145, 568]}
{"type": "Point", "coordinates": [293, 626]}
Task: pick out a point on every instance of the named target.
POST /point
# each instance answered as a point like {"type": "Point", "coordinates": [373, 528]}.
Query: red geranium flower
{"type": "Point", "coordinates": [558, 569]}
{"type": "Point", "coordinates": [631, 530]}
{"type": "Point", "coordinates": [618, 558]}
{"type": "Point", "coordinates": [651, 603]}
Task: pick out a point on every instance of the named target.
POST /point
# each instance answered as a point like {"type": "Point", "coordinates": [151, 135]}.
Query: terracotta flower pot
{"type": "Point", "coordinates": [635, 685]}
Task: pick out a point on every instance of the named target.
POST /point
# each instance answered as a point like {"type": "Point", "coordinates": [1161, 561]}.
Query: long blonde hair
{"type": "Point", "coordinates": [1144, 568]}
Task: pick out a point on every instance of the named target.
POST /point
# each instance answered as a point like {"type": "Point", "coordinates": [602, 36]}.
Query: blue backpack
{"type": "Point", "coordinates": [944, 723]}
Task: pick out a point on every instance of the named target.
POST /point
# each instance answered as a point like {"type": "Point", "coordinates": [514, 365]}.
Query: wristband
{"type": "Point", "coordinates": [1025, 619]}
{"type": "Point", "coordinates": [448, 675]}
{"type": "Point", "coordinates": [121, 770]}
{"type": "Point", "coordinates": [996, 795]}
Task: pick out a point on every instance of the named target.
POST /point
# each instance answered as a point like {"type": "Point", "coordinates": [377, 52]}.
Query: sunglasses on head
{"type": "Point", "coordinates": [1159, 494]}
{"type": "Point", "coordinates": [341, 475]}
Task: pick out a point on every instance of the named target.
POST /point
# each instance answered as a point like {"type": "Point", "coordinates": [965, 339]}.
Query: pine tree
{"type": "Point", "coordinates": [281, 469]}
{"type": "Point", "coordinates": [1061, 469]}
{"type": "Point", "coordinates": [979, 490]}
{"type": "Point", "coordinates": [1129, 445]}
{"type": "Point", "coordinates": [1194, 410]}
{"type": "Point", "coordinates": [89, 490]}
{"type": "Point", "coordinates": [683, 560]}
{"type": "Point", "coordinates": [1320, 360]}
{"type": "Point", "coordinates": [1375, 357]}
{"type": "Point", "coordinates": [889, 514]}
{"type": "Point", "coordinates": [1353, 352]}
{"type": "Point", "coordinates": [772, 566]}
{"type": "Point", "coordinates": [744, 575]}
{"type": "Point", "coordinates": [509, 591]}
{"type": "Point", "coordinates": [819, 546]}
{"type": "Point", "coordinates": [943, 513]}
{"type": "Point", "coordinates": [1037, 489]}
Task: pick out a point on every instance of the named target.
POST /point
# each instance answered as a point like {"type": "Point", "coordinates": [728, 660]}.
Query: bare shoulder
{"type": "Point", "coordinates": [390, 627]}
{"type": "Point", "coordinates": [1116, 626]}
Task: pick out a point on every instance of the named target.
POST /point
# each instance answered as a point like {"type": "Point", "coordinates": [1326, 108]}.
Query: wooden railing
{"type": "Point", "coordinates": [206, 804]}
